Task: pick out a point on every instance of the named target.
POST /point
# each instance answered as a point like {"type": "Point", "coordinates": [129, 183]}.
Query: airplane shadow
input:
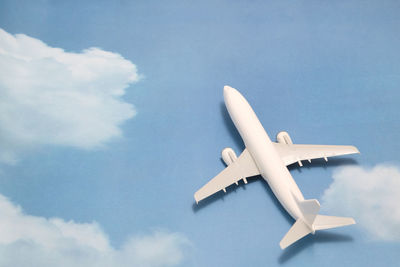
{"type": "Point", "coordinates": [320, 237]}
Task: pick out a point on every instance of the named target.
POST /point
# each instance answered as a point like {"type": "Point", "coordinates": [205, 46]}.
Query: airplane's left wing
{"type": "Point", "coordinates": [291, 153]}
{"type": "Point", "coordinates": [244, 166]}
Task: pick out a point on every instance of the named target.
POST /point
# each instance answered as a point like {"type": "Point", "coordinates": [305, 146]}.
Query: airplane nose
{"type": "Point", "coordinates": [227, 90]}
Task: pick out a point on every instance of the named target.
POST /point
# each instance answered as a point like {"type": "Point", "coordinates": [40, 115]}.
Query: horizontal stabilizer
{"type": "Point", "coordinates": [326, 222]}
{"type": "Point", "coordinates": [298, 231]}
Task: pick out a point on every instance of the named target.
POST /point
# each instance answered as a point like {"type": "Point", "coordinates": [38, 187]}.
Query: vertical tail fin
{"type": "Point", "coordinates": [309, 208]}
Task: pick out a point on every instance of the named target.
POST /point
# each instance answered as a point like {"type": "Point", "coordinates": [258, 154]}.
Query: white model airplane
{"type": "Point", "coordinates": [261, 156]}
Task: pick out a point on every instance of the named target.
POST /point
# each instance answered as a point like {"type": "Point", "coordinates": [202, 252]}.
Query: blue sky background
{"type": "Point", "coordinates": [326, 72]}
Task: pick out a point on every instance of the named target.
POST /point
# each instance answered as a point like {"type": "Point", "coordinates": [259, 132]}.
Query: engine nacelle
{"type": "Point", "coordinates": [228, 155]}
{"type": "Point", "coordinates": [283, 138]}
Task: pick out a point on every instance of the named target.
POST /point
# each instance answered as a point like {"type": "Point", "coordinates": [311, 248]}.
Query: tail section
{"type": "Point", "coordinates": [299, 230]}
{"type": "Point", "coordinates": [310, 209]}
{"type": "Point", "coordinates": [311, 222]}
{"type": "Point", "coordinates": [326, 222]}
{"type": "Point", "coordinates": [303, 226]}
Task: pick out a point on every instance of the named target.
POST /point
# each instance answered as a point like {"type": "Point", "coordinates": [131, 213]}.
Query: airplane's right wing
{"type": "Point", "coordinates": [291, 153]}
{"type": "Point", "coordinates": [244, 166]}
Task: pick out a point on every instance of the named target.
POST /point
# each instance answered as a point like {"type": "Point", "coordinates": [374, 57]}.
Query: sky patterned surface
{"type": "Point", "coordinates": [112, 116]}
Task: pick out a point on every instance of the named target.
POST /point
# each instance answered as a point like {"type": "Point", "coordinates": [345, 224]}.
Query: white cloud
{"type": "Point", "coordinates": [36, 241]}
{"type": "Point", "coordinates": [52, 97]}
{"type": "Point", "coordinates": [371, 196]}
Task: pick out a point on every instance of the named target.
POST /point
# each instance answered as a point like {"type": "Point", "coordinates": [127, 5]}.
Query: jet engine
{"type": "Point", "coordinates": [228, 155]}
{"type": "Point", "coordinates": [284, 138]}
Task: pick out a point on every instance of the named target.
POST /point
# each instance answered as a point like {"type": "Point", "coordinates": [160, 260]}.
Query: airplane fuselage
{"type": "Point", "coordinates": [267, 159]}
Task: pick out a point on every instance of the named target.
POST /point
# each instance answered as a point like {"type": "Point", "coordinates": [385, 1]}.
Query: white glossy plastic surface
{"type": "Point", "coordinates": [270, 159]}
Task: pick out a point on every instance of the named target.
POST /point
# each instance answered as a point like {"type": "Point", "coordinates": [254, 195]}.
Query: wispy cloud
{"type": "Point", "coordinates": [371, 195]}
{"type": "Point", "coordinates": [37, 241]}
{"type": "Point", "coordinates": [52, 97]}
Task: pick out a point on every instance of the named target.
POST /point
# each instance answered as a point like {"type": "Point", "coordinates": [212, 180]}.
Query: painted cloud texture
{"type": "Point", "coordinates": [52, 97]}
{"type": "Point", "coordinates": [371, 196]}
{"type": "Point", "coordinates": [37, 241]}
